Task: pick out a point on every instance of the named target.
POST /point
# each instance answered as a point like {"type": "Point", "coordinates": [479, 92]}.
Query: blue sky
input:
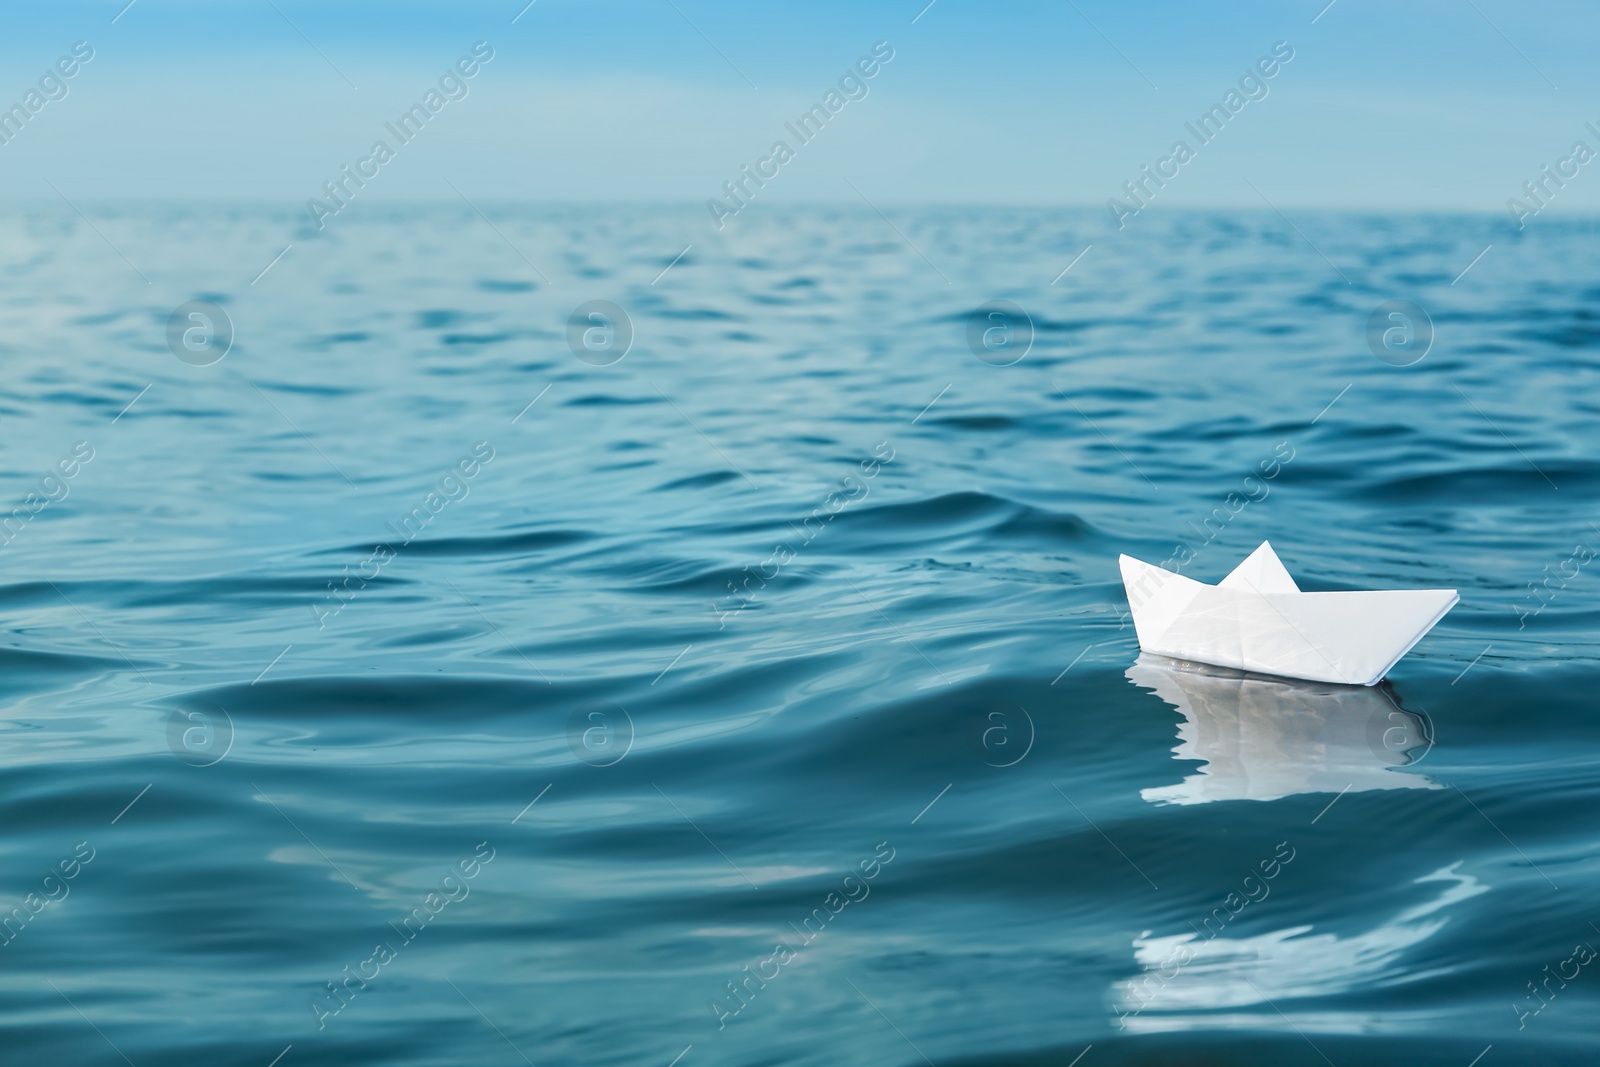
{"type": "Point", "coordinates": [1414, 104]}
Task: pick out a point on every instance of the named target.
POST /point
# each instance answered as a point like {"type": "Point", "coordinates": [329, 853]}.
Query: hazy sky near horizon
{"type": "Point", "coordinates": [1411, 104]}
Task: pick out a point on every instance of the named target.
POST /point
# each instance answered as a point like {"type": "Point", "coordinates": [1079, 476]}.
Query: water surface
{"type": "Point", "coordinates": [788, 651]}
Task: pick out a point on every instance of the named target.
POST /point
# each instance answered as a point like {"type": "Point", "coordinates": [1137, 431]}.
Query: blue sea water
{"type": "Point", "coordinates": [767, 696]}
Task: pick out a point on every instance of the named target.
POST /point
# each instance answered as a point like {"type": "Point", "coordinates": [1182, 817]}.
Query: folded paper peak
{"type": "Point", "coordinates": [1256, 619]}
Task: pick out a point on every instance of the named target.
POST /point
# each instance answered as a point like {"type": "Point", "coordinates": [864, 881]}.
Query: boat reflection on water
{"type": "Point", "coordinates": [1264, 738]}
{"type": "Point", "coordinates": [1293, 975]}
{"type": "Point", "coordinates": [1261, 738]}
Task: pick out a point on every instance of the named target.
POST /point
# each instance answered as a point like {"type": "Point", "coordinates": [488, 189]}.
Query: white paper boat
{"type": "Point", "coordinates": [1256, 619]}
{"type": "Point", "coordinates": [1267, 738]}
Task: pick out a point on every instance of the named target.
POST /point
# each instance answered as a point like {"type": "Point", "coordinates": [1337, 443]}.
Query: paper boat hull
{"type": "Point", "coordinates": [1348, 638]}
